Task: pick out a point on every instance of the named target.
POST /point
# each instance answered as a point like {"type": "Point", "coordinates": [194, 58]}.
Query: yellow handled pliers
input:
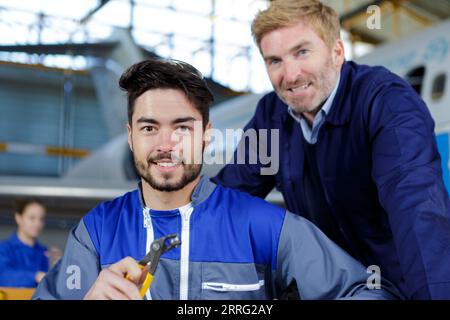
{"type": "Point", "coordinates": [149, 263]}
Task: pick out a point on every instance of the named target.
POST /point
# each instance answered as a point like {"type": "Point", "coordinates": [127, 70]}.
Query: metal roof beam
{"type": "Point", "coordinates": [93, 11]}
{"type": "Point", "coordinates": [364, 37]}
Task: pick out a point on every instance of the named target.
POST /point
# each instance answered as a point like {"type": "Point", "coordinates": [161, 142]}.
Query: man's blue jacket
{"type": "Point", "coordinates": [381, 173]}
{"type": "Point", "coordinates": [234, 246]}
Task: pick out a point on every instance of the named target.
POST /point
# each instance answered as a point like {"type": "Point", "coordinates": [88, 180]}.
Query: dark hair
{"type": "Point", "coordinates": [22, 204]}
{"type": "Point", "coordinates": [157, 73]}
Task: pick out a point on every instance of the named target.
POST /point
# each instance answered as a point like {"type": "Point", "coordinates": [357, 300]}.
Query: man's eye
{"type": "Point", "coordinates": [302, 52]}
{"type": "Point", "coordinates": [148, 129]}
{"type": "Point", "coordinates": [274, 61]}
{"type": "Point", "coordinates": [183, 129]}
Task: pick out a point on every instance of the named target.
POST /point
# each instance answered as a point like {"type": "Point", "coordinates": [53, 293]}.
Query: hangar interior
{"type": "Point", "coordinates": [59, 100]}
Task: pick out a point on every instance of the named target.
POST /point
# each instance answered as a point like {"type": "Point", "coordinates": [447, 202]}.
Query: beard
{"type": "Point", "coordinates": [323, 85]}
{"type": "Point", "coordinates": [190, 173]}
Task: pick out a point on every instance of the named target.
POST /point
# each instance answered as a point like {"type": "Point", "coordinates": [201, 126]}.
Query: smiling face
{"type": "Point", "coordinates": [166, 137]}
{"type": "Point", "coordinates": [302, 68]}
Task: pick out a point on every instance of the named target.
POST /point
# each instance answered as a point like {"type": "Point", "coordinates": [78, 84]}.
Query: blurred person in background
{"type": "Point", "coordinates": [23, 260]}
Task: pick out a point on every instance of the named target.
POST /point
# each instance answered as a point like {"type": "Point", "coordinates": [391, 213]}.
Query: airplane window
{"type": "Point", "coordinates": [415, 78]}
{"type": "Point", "coordinates": [438, 86]}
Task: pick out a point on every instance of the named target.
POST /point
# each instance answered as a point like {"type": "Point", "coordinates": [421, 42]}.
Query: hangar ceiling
{"type": "Point", "coordinates": [398, 18]}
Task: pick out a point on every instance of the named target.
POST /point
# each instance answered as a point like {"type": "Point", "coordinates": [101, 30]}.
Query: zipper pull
{"type": "Point", "coordinates": [147, 221]}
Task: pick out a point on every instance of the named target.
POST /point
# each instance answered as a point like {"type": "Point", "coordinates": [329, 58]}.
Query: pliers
{"type": "Point", "coordinates": [151, 259]}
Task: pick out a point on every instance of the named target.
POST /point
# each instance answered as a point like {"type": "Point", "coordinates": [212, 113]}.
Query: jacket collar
{"type": "Point", "coordinates": [201, 192]}
{"type": "Point", "coordinates": [340, 111]}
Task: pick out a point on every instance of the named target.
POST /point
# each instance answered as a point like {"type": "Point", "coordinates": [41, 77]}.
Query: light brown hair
{"type": "Point", "coordinates": [285, 13]}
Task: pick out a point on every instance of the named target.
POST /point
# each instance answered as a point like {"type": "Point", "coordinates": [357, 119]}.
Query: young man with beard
{"type": "Point", "coordinates": [358, 151]}
{"type": "Point", "coordinates": [233, 245]}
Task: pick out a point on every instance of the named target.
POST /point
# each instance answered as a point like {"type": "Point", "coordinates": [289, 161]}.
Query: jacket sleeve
{"type": "Point", "coordinates": [12, 275]}
{"type": "Point", "coordinates": [246, 176]}
{"type": "Point", "coordinates": [76, 271]}
{"type": "Point", "coordinates": [320, 269]}
{"type": "Point", "coordinates": [407, 172]}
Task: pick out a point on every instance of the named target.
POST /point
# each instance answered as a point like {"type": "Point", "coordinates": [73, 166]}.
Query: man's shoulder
{"type": "Point", "coordinates": [105, 219]}
{"type": "Point", "coordinates": [371, 76]}
{"type": "Point", "coordinates": [272, 101]}
{"type": "Point", "coordinates": [270, 107]}
{"type": "Point", "coordinates": [235, 197]}
{"type": "Point", "coordinates": [249, 215]}
{"type": "Point", "coordinates": [376, 89]}
{"type": "Point", "coordinates": [113, 207]}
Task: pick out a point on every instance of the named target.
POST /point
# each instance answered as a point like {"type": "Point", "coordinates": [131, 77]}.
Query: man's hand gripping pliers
{"type": "Point", "coordinates": [149, 263]}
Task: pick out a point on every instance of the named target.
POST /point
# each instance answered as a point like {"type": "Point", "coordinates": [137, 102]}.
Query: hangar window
{"type": "Point", "coordinates": [438, 86]}
{"type": "Point", "coordinates": [415, 78]}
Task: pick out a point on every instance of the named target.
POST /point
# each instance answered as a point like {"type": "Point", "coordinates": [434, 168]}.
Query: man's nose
{"type": "Point", "coordinates": [166, 142]}
{"type": "Point", "coordinates": [291, 72]}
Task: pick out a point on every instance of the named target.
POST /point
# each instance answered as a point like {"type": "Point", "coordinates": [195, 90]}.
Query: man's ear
{"type": "Point", "coordinates": [130, 141]}
{"type": "Point", "coordinates": [338, 53]}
